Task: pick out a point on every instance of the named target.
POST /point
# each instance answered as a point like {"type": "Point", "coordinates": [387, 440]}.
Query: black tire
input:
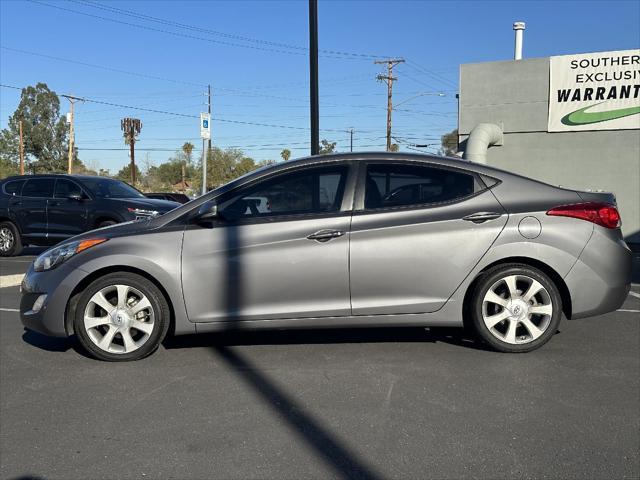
{"type": "Point", "coordinates": [10, 242]}
{"type": "Point", "coordinates": [158, 304]}
{"type": "Point", "coordinates": [106, 223]}
{"type": "Point", "coordinates": [524, 273]}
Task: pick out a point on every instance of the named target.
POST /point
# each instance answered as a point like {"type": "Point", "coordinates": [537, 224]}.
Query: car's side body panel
{"type": "Point", "coordinates": [600, 279]}
{"type": "Point", "coordinates": [266, 270]}
{"type": "Point", "coordinates": [411, 261]}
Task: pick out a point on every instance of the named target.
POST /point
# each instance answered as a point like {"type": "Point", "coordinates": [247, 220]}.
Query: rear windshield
{"type": "Point", "coordinates": [108, 188]}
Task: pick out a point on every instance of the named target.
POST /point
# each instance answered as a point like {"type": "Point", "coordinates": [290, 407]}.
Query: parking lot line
{"type": "Point", "coordinates": [626, 310]}
{"type": "Point", "coordinates": [634, 294]}
{"type": "Point", "coordinates": [9, 310]}
{"type": "Point", "coordinates": [11, 280]}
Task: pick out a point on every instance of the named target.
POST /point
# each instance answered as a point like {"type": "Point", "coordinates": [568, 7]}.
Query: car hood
{"type": "Point", "coordinates": [117, 230]}
{"type": "Point", "coordinates": [161, 206]}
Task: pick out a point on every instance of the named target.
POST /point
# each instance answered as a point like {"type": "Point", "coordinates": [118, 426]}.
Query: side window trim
{"type": "Point", "coordinates": [359, 206]}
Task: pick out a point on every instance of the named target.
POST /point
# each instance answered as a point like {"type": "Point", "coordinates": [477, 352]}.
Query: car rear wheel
{"type": "Point", "coordinates": [10, 243]}
{"type": "Point", "coordinates": [516, 308]}
{"type": "Point", "coordinates": [121, 317]}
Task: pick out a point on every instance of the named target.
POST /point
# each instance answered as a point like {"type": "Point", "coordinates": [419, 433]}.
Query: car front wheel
{"type": "Point", "coordinates": [516, 308]}
{"type": "Point", "coordinates": [121, 317]}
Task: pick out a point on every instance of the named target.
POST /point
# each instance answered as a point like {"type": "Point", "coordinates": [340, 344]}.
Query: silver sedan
{"type": "Point", "coordinates": [353, 240]}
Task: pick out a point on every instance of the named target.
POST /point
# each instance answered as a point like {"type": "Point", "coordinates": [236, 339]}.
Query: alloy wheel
{"type": "Point", "coordinates": [517, 309]}
{"type": "Point", "coordinates": [6, 239]}
{"type": "Point", "coordinates": [119, 319]}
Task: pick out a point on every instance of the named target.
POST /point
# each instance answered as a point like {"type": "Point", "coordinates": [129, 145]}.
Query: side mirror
{"type": "Point", "coordinates": [208, 211]}
{"type": "Point", "coordinates": [75, 196]}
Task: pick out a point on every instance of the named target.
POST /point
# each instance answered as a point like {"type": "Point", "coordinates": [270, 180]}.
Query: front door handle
{"type": "Point", "coordinates": [325, 235]}
{"type": "Point", "coordinates": [480, 217]}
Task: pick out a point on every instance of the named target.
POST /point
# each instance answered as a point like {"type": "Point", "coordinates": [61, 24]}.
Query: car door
{"type": "Point", "coordinates": [290, 261]}
{"type": "Point", "coordinates": [413, 240]}
{"type": "Point", "coordinates": [67, 210]}
{"type": "Point", "coordinates": [31, 208]}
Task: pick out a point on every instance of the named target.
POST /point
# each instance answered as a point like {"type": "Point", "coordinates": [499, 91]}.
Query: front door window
{"type": "Point", "coordinates": [310, 191]}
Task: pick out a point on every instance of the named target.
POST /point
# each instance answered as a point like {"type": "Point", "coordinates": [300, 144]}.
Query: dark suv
{"type": "Point", "coordinates": [45, 209]}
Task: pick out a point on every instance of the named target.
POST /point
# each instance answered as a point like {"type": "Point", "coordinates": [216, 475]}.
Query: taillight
{"type": "Point", "coordinates": [603, 214]}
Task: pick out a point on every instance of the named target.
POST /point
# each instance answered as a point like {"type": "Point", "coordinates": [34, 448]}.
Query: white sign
{"type": "Point", "coordinates": [205, 126]}
{"type": "Point", "coordinates": [595, 91]}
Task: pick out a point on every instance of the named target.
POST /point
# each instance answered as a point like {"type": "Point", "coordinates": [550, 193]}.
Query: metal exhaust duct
{"type": "Point", "coordinates": [519, 29]}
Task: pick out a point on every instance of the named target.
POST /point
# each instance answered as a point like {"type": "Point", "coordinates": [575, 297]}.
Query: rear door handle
{"type": "Point", "coordinates": [325, 235]}
{"type": "Point", "coordinates": [480, 217]}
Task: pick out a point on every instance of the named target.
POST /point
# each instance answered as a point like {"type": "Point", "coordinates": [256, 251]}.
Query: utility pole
{"type": "Point", "coordinates": [72, 137]}
{"type": "Point", "coordinates": [21, 150]}
{"type": "Point", "coordinates": [313, 77]}
{"type": "Point", "coordinates": [131, 128]}
{"type": "Point", "coordinates": [209, 109]}
{"type": "Point", "coordinates": [351, 139]}
{"type": "Point", "coordinates": [389, 79]}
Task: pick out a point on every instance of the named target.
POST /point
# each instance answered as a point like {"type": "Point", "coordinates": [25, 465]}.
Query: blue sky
{"type": "Point", "coordinates": [232, 46]}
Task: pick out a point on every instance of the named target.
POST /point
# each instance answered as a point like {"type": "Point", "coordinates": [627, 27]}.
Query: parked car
{"type": "Point", "coordinates": [46, 209]}
{"type": "Point", "coordinates": [172, 197]}
{"type": "Point", "coordinates": [471, 244]}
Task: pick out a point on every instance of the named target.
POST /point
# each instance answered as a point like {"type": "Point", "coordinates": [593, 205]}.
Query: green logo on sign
{"type": "Point", "coordinates": [582, 117]}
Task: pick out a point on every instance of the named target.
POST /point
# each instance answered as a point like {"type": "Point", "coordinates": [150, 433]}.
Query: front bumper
{"type": "Point", "coordinates": [600, 280]}
{"type": "Point", "coordinates": [58, 284]}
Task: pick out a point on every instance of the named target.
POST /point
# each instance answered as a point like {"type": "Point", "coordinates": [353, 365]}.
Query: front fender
{"type": "Point", "coordinates": [157, 254]}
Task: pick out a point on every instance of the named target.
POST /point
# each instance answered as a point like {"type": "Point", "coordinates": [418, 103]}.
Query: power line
{"type": "Point", "coordinates": [233, 91]}
{"type": "Point", "coordinates": [93, 65]}
{"type": "Point", "coordinates": [172, 23]}
{"type": "Point", "coordinates": [429, 73]}
{"type": "Point", "coordinates": [194, 37]}
{"type": "Point", "coordinates": [177, 114]}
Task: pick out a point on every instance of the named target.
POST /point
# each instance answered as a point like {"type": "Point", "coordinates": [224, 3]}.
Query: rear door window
{"type": "Point", "coordinates": [13, 187]}
{"type": "Point", "coordinates": [66, 188]}
{"type": "Point", "coordinates": [402, 185]}
{"type": "Point", "coordinates": [38, 187]}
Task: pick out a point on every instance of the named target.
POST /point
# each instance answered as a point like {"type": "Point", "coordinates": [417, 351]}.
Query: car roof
{"type": "Point", "coordinates": [363, 156]}
{"type": "Point", "coordinates": [54, 175]}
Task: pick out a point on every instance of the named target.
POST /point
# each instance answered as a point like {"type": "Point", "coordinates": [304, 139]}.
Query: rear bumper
{"type": "Point", "coordinates": [600, 280]}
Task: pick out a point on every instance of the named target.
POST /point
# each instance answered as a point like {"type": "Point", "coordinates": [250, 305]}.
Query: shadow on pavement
{"type": "Point", "coordinates": [452, 336]}
{"type": "Point", "coordinates": [328, 448]}
{"type": "Point", "coordinates": [50, 344]}
{"type": "Point", "coordinates": [28, 477]}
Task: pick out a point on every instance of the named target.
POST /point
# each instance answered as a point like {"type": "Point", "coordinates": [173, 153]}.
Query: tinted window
{"type": "Point", "coordinates": [38, 187]}
{"type": "Point", "coordinates": [401, 185]}
{"type": "Point", "coordinates": [108, 188]}
{"type": "Point", "coordinates": [316, 190]}
{"type": "Point", "coordinates": [65, 188]}
{"type": "Point", "coordinates": [13, 187]}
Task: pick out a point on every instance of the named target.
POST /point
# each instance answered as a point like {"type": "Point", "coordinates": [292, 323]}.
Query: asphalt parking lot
{"type": "Point", "coordinates": [371, 404]}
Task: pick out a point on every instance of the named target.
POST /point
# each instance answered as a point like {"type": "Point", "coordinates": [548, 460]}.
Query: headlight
{"type": "Point", "coordinates": [58, 255]}
{"type": "Point", "coordinates": [142, 213]}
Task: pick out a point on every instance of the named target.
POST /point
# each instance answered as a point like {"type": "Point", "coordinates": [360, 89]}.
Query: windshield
{"type": "Point", "coordinates": [108, 188]}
